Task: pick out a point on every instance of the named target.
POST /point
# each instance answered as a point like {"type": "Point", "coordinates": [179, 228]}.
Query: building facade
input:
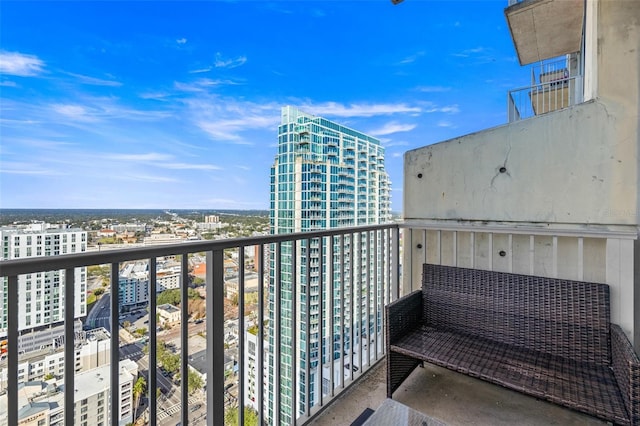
{"type": "Point", "coordinates": [133, 288]}
{"type": "Point", "coordinates": [42, 401]}
{"type": "Point", "coordinates": [42, 294]}
{"type": "Point", "coordinates": [325, 175]}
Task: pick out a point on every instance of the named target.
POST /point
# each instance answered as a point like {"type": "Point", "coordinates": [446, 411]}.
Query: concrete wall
{"type": "Point", "coordinates": [559, 194]}
{"type": "Point", "coordinates": [576, 166]}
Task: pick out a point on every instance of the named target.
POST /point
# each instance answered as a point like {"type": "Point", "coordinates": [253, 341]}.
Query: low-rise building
{"type": "Point", "coordinates": [168, 315]}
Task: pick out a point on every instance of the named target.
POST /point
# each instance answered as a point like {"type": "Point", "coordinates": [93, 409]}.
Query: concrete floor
{"type": "Point", "coordinates": [454, 398]}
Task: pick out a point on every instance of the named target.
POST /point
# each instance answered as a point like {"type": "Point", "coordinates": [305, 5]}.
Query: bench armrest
{"type": "Point", "coordinates": [626, 368]}
{"type": "Point", "coordinates": [403, 315]}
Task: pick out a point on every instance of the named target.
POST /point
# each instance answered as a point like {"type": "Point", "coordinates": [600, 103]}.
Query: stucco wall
{"type": "Point", "coordinates": [578, 166]}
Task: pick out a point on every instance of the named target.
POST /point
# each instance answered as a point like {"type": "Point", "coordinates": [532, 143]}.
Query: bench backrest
{"type": "Point", "coordinates": [559, 317]}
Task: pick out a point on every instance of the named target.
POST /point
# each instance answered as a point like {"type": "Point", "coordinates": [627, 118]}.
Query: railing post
{"type": "Point", "coordinates": [184, 339]}
{"type": "Point", "coordinates": [69, 346]}
{"type": "Point", "coordinates": [395, 277]}
{"type": "Point", "coordinates": [12, 348]}
{"type": "Point", "coordinates": [115, 344]}
{"type": "Point", "coordinates": [241, 335]}
{"type": "Point", "coordinates": [294, 331]}
{"type": "Point", "coordinates": [260, 351]}
{"type": "Point", "coordinates": [215, 337]}
{"type": "Point", "coordinates": [153, 343]}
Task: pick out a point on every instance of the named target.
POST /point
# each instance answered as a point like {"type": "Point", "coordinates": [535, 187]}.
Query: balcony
{"type": "Point", "coordinates": [554, 85]}
{"type": "Point", "coordinates": [176, 402]}
{"type": "Point", "coordinates": [544, 29]}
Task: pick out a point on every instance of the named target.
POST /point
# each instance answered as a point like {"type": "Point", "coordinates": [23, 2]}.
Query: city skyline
{"type": "Point", "coordinates": [117, 105]}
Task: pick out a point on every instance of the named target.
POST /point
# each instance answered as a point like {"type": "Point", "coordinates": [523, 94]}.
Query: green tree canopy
{"type": "Point", "coordinates": [250, 416]}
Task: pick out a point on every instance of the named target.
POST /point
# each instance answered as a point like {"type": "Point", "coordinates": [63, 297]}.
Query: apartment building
{"type": "Point", "coordinates": [92, 351]}
{"type": "Point", "coordinates": [324, 176]}
{"type": "Point", "coordinates": [133, 286]}
{"type": "Point", "coordinates": [40, 296]}
{"type": "Point", "coordinates": [41, 402]}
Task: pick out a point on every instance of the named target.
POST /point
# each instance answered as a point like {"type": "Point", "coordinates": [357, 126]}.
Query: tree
{"type": "Point", "coordinates": [194, 381]}
{"type": "Point", "coordinates": [98, 291]}
{"type": "Point", "coordinates": [126, 324]}
{"type": "Point", "coordinates": [170, 362]}
{"type": "Point", "coordinates": [250, 416]}
{"type": "Point", "coordinates": [138, 389]}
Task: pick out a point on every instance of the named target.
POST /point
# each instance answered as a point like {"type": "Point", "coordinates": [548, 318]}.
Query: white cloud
{"type": "Point", "coordinates": [395, 143]}
{"type": "Point", "coordinates": [220, 62]}
{"type": "Point", "coordinates": [187, 166]}
{"type": "Point", "coordinates": [160, 96]}
{"type": "Point", "coordinates": [181, 40]}
{"type": "Point", "coordinates": [84, 79]}
{"type": "Point", "coordinates": [444, 123]}
{"type": "Point", "coordinates": [149, 178]}
{"type": "Point", "coordinates": [469, 52]}
{"type": "Point", "coordinates": [392, 127]}
{"type": "Point", "coordinates": [24, 168]}
{"type": "Point", "coordinates": [336, 109]}
{"type": "Point", "coordinates": [412, 58]}
{"type": "Point", "coordinates": [75, 112]}
{"type": "Point", "coordinates": [8, 83]}
{"type": "Point", "coordinates": [201, 70]}
{"type": "Point", "coordinates": [20, 64]}
{"type": "Point", "coordinates": [150, 156]}
{"type": "Point", "coordinates": [432, 89]}
{"type": "Point", "coordinates": [447, 109]}
{"type": "Point", "coordinates": [200, 85]}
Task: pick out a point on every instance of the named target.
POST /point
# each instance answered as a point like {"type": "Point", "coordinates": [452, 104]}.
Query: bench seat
{"type": "Point", "coordinates": [548, 338]}
{"type": "Point", "coordinates": [584, 387]}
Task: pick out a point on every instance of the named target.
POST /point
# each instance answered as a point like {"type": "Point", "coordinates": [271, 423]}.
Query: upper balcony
{"type": "Point", "coordinates": [544, 29]}
{"type": "Point", "coordinates": [555, 84]}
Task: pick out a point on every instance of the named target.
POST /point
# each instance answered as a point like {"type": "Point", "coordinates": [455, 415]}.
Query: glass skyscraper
{"type": "Point", "coordinates": [325, 175]}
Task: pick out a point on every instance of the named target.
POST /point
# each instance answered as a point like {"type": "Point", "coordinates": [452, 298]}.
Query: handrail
{"type": "Point", "coordinates": [360, 239]}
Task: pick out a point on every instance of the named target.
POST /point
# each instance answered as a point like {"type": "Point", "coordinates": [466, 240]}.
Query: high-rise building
{"type": "Point", "coordinates": [325, 175]}
{"type": "Point", "coordinates": [41, 295]}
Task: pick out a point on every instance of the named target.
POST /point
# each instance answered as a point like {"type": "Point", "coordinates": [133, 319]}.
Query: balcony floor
{"type": "Point", "coordinates": [451, 397]}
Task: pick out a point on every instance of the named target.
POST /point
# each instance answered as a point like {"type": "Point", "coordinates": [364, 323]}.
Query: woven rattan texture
{"type": "Point", "coordinates": [545, 337]}
{"type": "Point", "coordinates": [558, 317]}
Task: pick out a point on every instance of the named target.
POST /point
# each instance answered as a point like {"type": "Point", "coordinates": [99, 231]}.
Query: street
{"type": "Point", "coordinates": [169, 402]}
{"type": "Point", "coordinates": [100, 314]}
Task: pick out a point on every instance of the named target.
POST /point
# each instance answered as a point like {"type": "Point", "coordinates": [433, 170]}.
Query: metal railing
{"type": "Point", "coordinates": [555, 84]}
{"type": "Point", "coordinates": [375, 256]}
{"type": "Point", "coordinates": [542, 98]}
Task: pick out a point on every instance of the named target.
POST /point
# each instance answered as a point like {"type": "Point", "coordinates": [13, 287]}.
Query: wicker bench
{"type": "Point", "coordinates": [548, 338]}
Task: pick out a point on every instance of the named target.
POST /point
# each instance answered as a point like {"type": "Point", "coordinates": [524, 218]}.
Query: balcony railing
{"type": "Point", "coordinates": [554, 85]}
{"type": "Point", "coordinates": [376, 257]}
{"type": "Point", "coordinates": [527, 102]}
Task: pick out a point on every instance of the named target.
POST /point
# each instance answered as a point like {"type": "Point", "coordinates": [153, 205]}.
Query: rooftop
{"type": "Point", "coordinates": [167, 307]}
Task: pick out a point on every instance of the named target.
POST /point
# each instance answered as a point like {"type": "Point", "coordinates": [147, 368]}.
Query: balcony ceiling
{"type": "Point", "coordinates": [543, 29]}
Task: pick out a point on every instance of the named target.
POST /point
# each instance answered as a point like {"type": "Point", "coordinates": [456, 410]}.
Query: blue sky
{"type": "Point", "coordinates": [157, 104]}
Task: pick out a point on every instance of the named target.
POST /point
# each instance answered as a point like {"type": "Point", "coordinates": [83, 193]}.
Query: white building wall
{"type": "Point", "coordinates": [41, 295]}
